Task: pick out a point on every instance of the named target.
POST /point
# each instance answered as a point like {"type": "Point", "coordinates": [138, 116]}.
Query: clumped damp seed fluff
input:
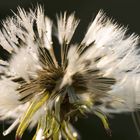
{"type": "Point", "coordinates": [100, 75]}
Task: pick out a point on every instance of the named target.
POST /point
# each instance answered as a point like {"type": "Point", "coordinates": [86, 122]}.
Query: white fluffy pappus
{"type": "Point", "coordinates": [100, 75]}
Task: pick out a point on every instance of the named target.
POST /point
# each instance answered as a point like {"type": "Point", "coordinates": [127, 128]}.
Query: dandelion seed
{"type": "Point", "coordinates": [100, 75]}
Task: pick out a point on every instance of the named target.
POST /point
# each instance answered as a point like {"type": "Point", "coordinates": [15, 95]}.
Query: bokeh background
{"type": "Point", "coordinates": [125, 12]}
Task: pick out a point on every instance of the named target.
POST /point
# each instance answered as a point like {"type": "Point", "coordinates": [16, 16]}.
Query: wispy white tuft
{"type": "Point", "coordinates": [44, 26]}
{"type": "Point", "coordinates": [8, 94]}
{"type": "Point", "coordinates": [4, 43]}
{"type": "Point", "coordinates": [118, 58]}
{"type": "Point", "coordinates": [23, 65]}
{"type": "Point", "coordinates": [66, 27]}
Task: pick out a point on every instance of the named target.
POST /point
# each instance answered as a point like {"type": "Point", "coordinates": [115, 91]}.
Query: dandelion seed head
{"type": "Point", "coordinates": [99, 75]}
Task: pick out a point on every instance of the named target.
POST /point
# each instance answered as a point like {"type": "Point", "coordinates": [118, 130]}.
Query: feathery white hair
{"type": "Point", "coordinates": [100, 75]}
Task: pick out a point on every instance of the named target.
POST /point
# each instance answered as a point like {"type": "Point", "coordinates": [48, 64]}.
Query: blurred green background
{"type": "Point", "coordinates": [125, 12]}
